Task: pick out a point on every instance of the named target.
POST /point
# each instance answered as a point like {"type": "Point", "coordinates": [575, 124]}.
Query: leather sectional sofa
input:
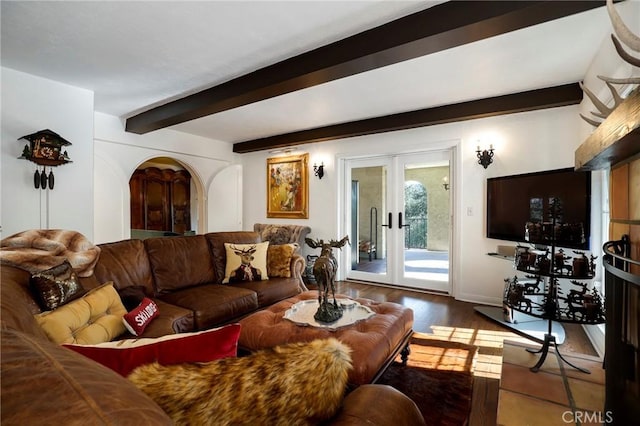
{"type": "Point", "coordinates": [177, 273]}
{"type": "Point", "coordinates": [44, 383]}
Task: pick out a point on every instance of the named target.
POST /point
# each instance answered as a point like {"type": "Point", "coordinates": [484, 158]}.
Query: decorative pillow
{"type": "Point", "coordinates": [279, 259]}
{"type": "Point", "coordinates": [276, 234]}
{"type": "Point", "coordinates": [55, 287]}
{"type": "Point", "coordinates": [294, 384]}
{"type": "Point", "coordinates": [125, 355]}
{"type": "Point", "coordinates": [141, 316]}
{"type": "Point", "coordinates": [246, 262]}
{"type": "Point", "coordinates": [132, 296]}
{"type": "Point", "coordinates": [94, 318]}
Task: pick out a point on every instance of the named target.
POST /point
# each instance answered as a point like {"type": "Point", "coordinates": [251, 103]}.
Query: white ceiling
{"type": "Point", "coordinates": [135, 55]}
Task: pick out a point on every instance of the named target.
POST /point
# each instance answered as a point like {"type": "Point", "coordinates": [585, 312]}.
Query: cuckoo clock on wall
{"type": "Point", "coordinates": [46, 149]}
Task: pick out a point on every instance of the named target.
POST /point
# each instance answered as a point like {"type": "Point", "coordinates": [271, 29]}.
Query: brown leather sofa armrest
{"type": "Point", "coordinates": [378, 405]}
{"type": "Point", "coordinates": [43, 383]}
{"type": "Point", "coordinates": [297, 268]}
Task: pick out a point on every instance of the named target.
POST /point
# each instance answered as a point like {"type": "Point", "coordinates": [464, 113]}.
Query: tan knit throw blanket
{"type": "Point", "coordinates": [40, 249]}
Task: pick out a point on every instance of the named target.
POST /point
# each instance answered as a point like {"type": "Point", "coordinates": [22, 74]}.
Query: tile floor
{"type": "Point", "coordinates": [556, 395]}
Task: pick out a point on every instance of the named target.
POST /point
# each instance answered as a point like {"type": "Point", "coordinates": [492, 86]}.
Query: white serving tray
{"type": "Point", "coordinates": [302, 313]}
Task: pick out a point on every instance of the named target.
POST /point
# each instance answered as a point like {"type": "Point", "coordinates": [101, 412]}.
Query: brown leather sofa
{"type": "Point", "coordinates": [179, 273]}
{"type": "Point", "coordinates": [43, 383]}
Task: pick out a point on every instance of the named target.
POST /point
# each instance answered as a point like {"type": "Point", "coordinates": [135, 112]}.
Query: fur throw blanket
{"type": "Point", "coordinates": [37, 250]}
{"type": "Point", "coordinates": [293, 384]}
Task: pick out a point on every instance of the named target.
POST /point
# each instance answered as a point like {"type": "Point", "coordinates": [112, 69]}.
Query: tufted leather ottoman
{"type": "Point", "coordinates": [375, 341]}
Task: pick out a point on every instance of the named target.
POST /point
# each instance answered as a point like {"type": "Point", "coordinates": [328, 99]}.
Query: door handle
{"type": "Point", "coordinates": [400, 225]}
{"type": "Point", "coordinates": [389, 225]}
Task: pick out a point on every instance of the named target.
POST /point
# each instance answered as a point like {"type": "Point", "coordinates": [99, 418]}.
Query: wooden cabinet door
{"type": "Point", "coordinates": [136, 189]}
{"type": "Point", "coordinates": [161, 200]}
{"type": "Point", "coordinates": [180, 202]}
{"type": "Point", "coordinates": [156, 201]}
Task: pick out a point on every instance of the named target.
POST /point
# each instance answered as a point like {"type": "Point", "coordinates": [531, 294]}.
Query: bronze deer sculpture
{"type": "Point", "coordinates": [324, 271]}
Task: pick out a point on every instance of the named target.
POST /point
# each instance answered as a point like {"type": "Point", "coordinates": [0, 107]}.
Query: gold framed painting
{"type": "Point", "coordinates": [288, 187]}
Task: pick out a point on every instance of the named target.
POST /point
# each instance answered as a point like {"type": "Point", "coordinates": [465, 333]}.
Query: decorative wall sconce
{"type": "Point", "coordinates": [45, 149]}
{"type": "Point", "coordinates": [485, 157]}
{"type": "Point", "coordinates": [445, 183]}
{"type": "Point", "coordinates": [318, 170]}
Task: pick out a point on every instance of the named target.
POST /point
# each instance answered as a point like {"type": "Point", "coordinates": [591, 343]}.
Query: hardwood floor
{"type": "Point", "coordinates": [455, 320]}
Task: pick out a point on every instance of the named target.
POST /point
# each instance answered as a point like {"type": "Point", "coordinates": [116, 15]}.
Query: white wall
{"type": "Point", "coordinates": [226, 190]}
{"type": "Point", "coordinates": [29, 104]}
{"type": "Point", "coordinates": [119, 153]}
{"type": "Point", "coordinates": [524, 142]}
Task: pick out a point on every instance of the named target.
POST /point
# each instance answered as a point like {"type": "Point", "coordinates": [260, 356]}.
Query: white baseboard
{"type": "Point", "coordinates": [478, 298]}
{"type": "Point", "coordinates": [595, 333]}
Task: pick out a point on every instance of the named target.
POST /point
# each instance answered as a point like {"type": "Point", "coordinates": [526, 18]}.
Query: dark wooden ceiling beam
{"type": "Point", "coordinates": [569, 94]}
{"type": "Point", "coordinates": [432, 30]}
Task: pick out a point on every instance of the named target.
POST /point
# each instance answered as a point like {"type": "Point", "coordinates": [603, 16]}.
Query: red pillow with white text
{"type": "Point", "coordinates": [124, 356]}
{"type": "Point", "coordinates": [141, 316]}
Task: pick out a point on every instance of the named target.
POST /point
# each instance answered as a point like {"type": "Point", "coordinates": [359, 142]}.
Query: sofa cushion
{"type": "Point", "coordinates": [294, 384]}
{"type": "Point", "coordinates": [55, 286]}
{"type": "Point", "coordinates": [214, 304]}
{"type": "Point", "coordinates": [126, 264]}
{"type": "Point", "coordinates": [216, 242]}
{"type": "Point", "coordinates": [132, 296]}
{"type": "Point", "coordinates": [279, 259]}
{"type": "Point", "coordinates": [245, 262]}
{"type": "Point", "coordinates": [179, 262]}
{"type": "Point", "coordinates": [141, 316]}
{"type": "Point", "coordinates": [125, 355]}
{"type": "Point", "coordinates": [273, 290]}
{"type": "Point", "coordinates": [43, 383]}
{"type": "Point", "coordinates": [94, 318]}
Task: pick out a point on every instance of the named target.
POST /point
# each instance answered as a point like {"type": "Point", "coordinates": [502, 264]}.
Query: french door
{"type": "Point", "coordinates": [398, 218]}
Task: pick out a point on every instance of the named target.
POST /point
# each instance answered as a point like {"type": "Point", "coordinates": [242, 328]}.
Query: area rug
{"type": "Point", "coordinates": [438, 378]}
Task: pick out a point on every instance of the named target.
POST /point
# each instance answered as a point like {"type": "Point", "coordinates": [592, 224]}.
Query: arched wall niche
{"type": "Point", "coordinates": [197, 210]}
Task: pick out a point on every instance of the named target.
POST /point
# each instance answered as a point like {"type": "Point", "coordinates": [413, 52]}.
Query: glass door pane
{"type": "Point", "coordinates": [426, 220]}
{"type": "Point", "coordinates": [368, 213]}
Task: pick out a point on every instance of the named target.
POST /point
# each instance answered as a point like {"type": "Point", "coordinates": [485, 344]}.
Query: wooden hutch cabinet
{"type": "Point", "coordinates": [160, 200]}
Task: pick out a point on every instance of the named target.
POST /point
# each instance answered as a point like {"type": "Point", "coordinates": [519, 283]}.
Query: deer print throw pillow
{"type": "Point", "coordinates": [246, 262]}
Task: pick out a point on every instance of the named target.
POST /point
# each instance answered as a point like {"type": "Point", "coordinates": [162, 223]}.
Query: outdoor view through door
{"type": "Point", "coordinates": [400, 220]}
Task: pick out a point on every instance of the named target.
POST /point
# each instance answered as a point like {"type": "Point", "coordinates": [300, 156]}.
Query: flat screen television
{"type": "Point", "coordinates": [522, 208]}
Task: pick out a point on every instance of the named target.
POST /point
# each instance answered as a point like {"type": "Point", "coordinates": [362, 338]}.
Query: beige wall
{"type": "Point", "coordinates": [438, 221]}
